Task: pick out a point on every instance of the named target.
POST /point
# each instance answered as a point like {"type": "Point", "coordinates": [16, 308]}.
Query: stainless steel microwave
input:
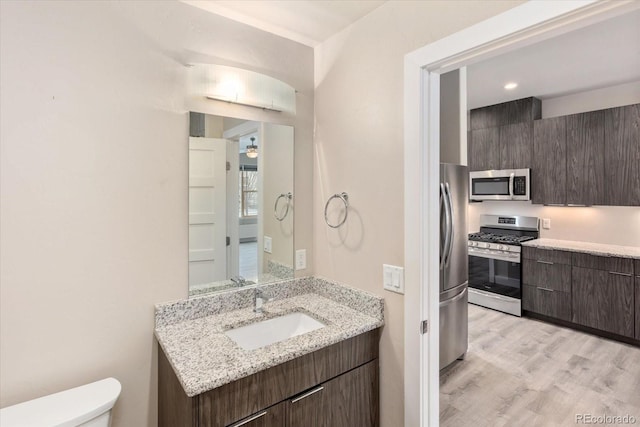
{"type": "Point", "coordinates": [506, 184]}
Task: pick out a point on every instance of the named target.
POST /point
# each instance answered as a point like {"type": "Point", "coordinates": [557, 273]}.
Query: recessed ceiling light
{"type": "Point", "coordinates": [510, 86]}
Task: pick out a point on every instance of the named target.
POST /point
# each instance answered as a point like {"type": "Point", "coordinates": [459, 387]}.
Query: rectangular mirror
{"type": "Point", "coordinates": [240, 203]}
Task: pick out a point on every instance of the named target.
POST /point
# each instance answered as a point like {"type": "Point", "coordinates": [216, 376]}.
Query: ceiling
{"type": "Point", "coordinates": [601, 55]}
{"type": "Point", "coordinates": [309, 22]}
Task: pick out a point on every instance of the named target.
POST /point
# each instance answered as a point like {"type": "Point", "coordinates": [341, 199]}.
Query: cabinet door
{"type": "Point", "coordinates": [484, 149]}
{"type": "Point", "coordinates": [546, 301]}
{"type": "Point", "coordinates": [516, 146]}
{"type": "Point", "coordinates": [352, 398]}
{"type": "Point", "coordinates": [549, 174]}
{"type": "Point", "coordinates": [622, 155]}
{"type": "Point", "coordinates": [308, 409]}
{"type": "Point", "coordinates": [274, 416]}
{"type": "Point", "coordinates": [603, 300]}
{"type": "Point", "coordinates": [585, 158]}
{"type": "Point", "coordinates": [637, 306]}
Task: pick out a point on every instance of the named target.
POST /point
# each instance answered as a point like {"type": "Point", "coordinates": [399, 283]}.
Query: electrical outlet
{"type": "Point", "coordinates": [301, 259]}
{"type": "Point", "coordinates": [393, 278]}
{"type": "Point", "coordinates": [267, 244]}
{"type": "Point", "coordinates": [546, 223]}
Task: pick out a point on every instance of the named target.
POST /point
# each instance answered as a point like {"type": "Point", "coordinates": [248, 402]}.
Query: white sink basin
{"type": "Point", "coordinates": [271, 331]}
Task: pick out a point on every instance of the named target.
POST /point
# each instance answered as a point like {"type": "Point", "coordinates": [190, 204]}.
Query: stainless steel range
{"type": "Point", "coordinates": [495, 276]}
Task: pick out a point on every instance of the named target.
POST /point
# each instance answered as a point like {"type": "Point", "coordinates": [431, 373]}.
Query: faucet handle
{"type": "Point", "coordinates": [238, 280]}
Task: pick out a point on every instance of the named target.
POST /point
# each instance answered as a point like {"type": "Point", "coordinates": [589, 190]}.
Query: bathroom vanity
{"type": "Point", "coordinates": [325, 377]}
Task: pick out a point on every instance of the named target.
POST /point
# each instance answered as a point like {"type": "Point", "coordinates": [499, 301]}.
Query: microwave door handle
{"type": "Point", "coordinates": [511, 179]}
{"type": "Point", "coordinates": [451, 224]}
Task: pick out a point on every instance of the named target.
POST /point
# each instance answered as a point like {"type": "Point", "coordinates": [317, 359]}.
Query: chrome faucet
{"type": "Point", "coordinates": [239, 281]}
{"type": "Point", "coordinates": [260, 297]}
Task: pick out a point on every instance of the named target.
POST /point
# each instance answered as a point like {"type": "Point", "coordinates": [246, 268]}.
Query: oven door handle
{"type": "Point", "coordinates": [501, 257]}
{"type": "Point", "coordinates": [452, 231]}
{"type": "Point", "coordinates": [511, 179]}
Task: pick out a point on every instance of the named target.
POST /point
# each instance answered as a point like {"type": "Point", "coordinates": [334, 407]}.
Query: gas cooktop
{"type": "Point", "coordinates": [507, 239]}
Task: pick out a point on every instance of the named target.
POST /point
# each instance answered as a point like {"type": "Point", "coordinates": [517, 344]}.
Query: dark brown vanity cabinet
{"type": "Point", "coordinates": [603, 293]}
{"type": "Point", "coordinates": [501, 135]}
{"type": "Point", "coordinates": [331, 387]}
{"type": "Point", "coordinates": [546, 279]}
{"type": "Point", "coordinates": [622, 155]}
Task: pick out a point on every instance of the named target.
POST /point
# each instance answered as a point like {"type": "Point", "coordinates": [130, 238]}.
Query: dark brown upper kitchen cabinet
{"type": "Point", "coordinates": [515, 146]}
{"type": "Point", "coordinates": [603, 293]}
{"type": "Point", "coordinates": [500, 135]}
{"type": "Point", "coordinates": [484, 149]}
{"type": "Point", "coordinates": [585, 159]}
{"type": "Point", "coordinates": [549, 166]}
{"type": "Point", "coordinates": [507, 113]}
{"type": "Point", "coordinates": [622, 156]}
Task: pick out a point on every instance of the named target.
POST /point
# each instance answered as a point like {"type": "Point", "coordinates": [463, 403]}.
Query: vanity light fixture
{"type": "Point", "coordinates": [252, 150]}
{"type": "Point", "coordinates": [511, 85]}
{"type": "Point", "coordinates": [243, 87]}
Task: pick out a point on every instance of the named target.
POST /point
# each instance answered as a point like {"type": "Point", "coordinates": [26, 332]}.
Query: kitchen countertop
{"type": "Point", "coordinates": [586, 247]}
{"type": "Point", "coordinates": [191, 332]}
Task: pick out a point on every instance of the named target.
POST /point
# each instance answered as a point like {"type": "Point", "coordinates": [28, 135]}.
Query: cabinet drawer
{"type": "Point", "coordinates": [615, 264]}
{"type": "Point", "coordinates": [637, 267]}
{"type": "Point", "coordinates": [547, 255]}
{"type": "Point", "coordinates": [546, 274]}
{"type": "Point", "coordinates": [547, 302]}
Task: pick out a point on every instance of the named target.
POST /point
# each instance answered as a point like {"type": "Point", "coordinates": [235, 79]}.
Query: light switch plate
{"type": "Point", "coordinates": [393, 278]}
{"type": "Point", "coordinates": [546, 223]}
{"type": "Point", "coordinates": [267, 244]}
{"type": "Point", "coordinates": [301, 259]}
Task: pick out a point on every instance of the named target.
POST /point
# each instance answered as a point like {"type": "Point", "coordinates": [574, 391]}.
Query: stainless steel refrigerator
{"type": "Point", "coordinates": [454, 262]}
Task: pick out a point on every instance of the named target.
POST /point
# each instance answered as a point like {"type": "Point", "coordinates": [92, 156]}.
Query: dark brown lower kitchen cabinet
{"type": "Point", "coordinates": [330, 387]}
{"type": "Point", "coordinates": [603, 300]}
{"type": "Point", "coordinates": [637, 301]}
{"type": "Point", "coordinates": [546, 277]}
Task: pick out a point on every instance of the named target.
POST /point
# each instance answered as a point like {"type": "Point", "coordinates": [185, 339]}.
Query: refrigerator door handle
{"type": "Point", "coordinates": [454, 299]}
{"type": "Point", "coordinates": [442, 254]}
{"type": "Point", "coordinates": [452, 232]}
{"type": "Point", "coordinates": [447, 220]}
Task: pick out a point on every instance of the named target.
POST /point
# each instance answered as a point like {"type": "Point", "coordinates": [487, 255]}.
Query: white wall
{"type": "Point", "coordinates": [93, 180]}
{"type": "Point", "coordinates": [616, 225]}
{"type": "Point", "coordinates": [359, 149]}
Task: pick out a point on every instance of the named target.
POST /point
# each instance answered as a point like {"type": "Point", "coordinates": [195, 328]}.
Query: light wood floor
{"type": "Point", "coordinates": [523, 372]}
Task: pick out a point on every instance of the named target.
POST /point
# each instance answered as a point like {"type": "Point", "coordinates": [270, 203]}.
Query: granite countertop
{"type": "Point", "coordinates": [586, 247]}
{"type": "Point", "coordinates": [191, 332]}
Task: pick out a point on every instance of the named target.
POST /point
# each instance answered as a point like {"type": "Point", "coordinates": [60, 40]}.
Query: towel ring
{"type": "Point", "coordinates": [345, 199]}
{"type": "Point", "coordinates": [287, 197]}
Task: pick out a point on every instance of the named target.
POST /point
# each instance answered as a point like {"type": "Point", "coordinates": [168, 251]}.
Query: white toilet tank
{"type": "Point", "coordinates": [85, 406]}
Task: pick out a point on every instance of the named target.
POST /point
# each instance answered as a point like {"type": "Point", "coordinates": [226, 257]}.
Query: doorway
{"type": "Point", "coordinates": [524, 25]}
